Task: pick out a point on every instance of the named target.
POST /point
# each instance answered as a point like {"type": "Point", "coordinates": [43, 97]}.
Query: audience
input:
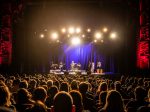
{"type": "Point", "coordinates": [64, 87]}
{"type": "Point", "coordinates": [15, 85]}
{"type": "Point", "coordinates": [74, 85]}
{"type": "Point", "coordinates": [40, 94]}
{"type": "Point", "coordinates": [88, 103]}
{"type": "Point", "coordinates": [102, 87]}
{"type": "Point", "coordinates": [145, 108]}
{"type": "Point", "coordinates": [49, 84]}
{"type": "Point", "coordinates": [77, 100]}
{"type": "Point", "coordinates": [23, 100]}
{"type": "Point", "coordinates": [32, 85]}
{"type": "Point", "coordinates": [73, 93]}
{"type": "Point", "coordinates": [114, 102]}
{"type": "Point", "coordinates": [102, 99]}
{"type": "Point", "coordinates": [51, 93]}
{"type": "Point", "coordinates": [38, 107]}
{"type": "Point", "coordinates": [138, 101]}
{"type": "Point", "coordinates": [5, 103]}
{"type": "Point", "coordinates": [23, 84]}
{"type": "Point", "coordinates": [63, 102]}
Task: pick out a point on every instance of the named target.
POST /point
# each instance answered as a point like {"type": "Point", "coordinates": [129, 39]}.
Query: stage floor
{"type": "Point", "coordinates": [73, 72]}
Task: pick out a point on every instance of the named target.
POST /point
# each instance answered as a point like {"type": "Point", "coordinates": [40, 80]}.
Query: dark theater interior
{"type": "Point", "coordinates": [74, 56]}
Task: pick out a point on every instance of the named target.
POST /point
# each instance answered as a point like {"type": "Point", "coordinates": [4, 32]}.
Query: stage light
{"type": "Point", "coordinates": [42, 36]}
{"type": "Point", "coordinates": [83, 36]}
{"type": "Point", "coordinates": [63, 30]}
{"type": "Point", "coordinates": [105, 29]}
{"type": "Point", "coordinates": [54, 35]}
{"type": "Point", "coordinates": [75, 41]}
{"type": "Point", "coordinates": [88, 30]}
{"type": "Point", "coordinates": [95, 41]}
{"type": "Point", "coordinates": [68, 35]}
{"type": "Point", "coordinates": [78, 30]}
{"type": "Point", "coordinates": [45, 29]}
{"type": "Point", "coordinates": [113, 35]}
{"type": "Point", "coordinates": [98, 35]}
{"type": "Point", "coordinates": [102, 41]}
{"type": "Point", "coordinates": [57, 41]}
{"type": "Point", "coordinates": [71, 30]}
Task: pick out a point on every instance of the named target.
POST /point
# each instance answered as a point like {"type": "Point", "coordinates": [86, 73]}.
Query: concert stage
{"type": "Point", "coordinates": [81, 72]}
{"type": "Point", "coordinates": [84, 73]}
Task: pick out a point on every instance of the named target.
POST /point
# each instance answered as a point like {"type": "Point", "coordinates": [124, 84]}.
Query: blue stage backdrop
{"type": "Point", "coordinates": [82, 54]}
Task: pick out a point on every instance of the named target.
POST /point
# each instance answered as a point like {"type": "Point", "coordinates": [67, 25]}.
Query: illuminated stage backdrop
{"type": "Point", "coordinates": [82, 54]}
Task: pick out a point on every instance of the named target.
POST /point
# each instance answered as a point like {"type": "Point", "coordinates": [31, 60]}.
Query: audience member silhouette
{"type": "Point", "coordinates": [88, 103]}
{"type": "Point", "coordinates": [5, 103]}
{"type": "Point", "coordinates": [51, 93]}
{"type": "Point", "coordinates": [140, 95]}
{"type": "Point", "coordinates": [78, 93]}
{"type": "Point", "coordinates": [145, 108]}
{"type": "Point", "coordinates": [102, 87]}
{"type": "Point", "coordinates": [49, 84]}
{"type": "Point", "coordinates": [23, 100]}
{"type": "Point", "coordinates": [63, 102]}
{"type": "Point", "coordinates": [102, 99]}
{"type": "Point", "coordinates": [114, 102]}
{"type": "Point", "coordinates": [74, 85]}
{"type": "Point", "coordinates": [77, 100]}
{"type": "Point", "coordinates": [40, 94]}
{"type": "Point", "coordinates": [23, 84]}
{"type": "Point", "coordinates": [64, 87]}
{"type": "Point", "coordinates": [38, 107]}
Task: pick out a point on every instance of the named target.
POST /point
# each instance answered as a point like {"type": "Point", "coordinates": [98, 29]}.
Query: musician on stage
{"type": "Point", "coordinates": [61, 66]}
{"type": "Point", "coordinates": [72, 65]}
{"type": "Point", "coordinates": [99, 67]}
{"type": "Point", "coordinates": [78, 66]}
{"type": "Point", "coordinates": [54, 66]}
{"type": "Point", "coordinates": [92, 67]}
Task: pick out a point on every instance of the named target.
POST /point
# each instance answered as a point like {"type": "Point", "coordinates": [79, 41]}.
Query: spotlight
{"type": "Point", "coordinates": [88, 30]}
{"type": "Point", "coordinates": [113, 35]}
{"type": "Point", "coordinates": [95, 41]}
{"type": "Point", "coordinates": [71, 30]}
{"type": "Point", "coordinates": [75, 41]}
{"type": "Point", "coordinates": [102, 41]}
{"type": "Point", "coordinates": [54, 35]}
{"type": "Point", "coordinates": [78, 30]}
{"type": "Point", "coordinates": [98, 35]}
{"type": "Point", "coordinates": [41, 35]}
{"type": "Point", "coordinates": [63, 30]}
{"type": "Point", "coordinates": [45, 30]}
{"type": "Point", "coordinates": [83, 36]}
{"type": "Point", "coordinates": [68, 35]}
{"type": "Point", "coordinates": [105, 29]}
{"type": "Point", "coordinates": [57, 41]}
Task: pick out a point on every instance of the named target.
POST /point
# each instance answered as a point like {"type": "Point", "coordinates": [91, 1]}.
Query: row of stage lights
{"type": "Point", "coordinates": [76, 34]}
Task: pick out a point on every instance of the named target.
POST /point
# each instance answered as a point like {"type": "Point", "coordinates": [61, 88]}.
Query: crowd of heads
{"type": "Point", "coordinates": [73, 93]}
